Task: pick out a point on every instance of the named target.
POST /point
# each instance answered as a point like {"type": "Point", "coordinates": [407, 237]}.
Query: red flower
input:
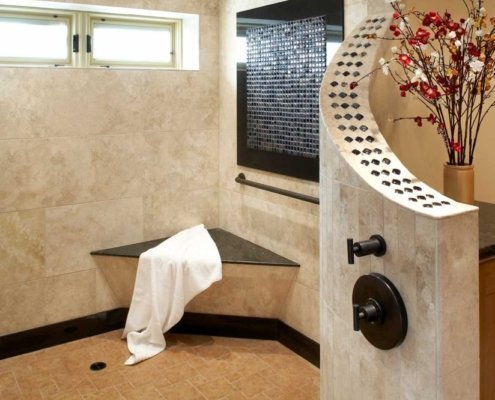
{"type": "Point", "coordinates": [453, 26]}
{"type": "Point", "coordinates": [432, 18]}
{"type": "Point", "coordinates": [393, 27]}
{"type": "Point", "coordinates": [396, 15]}
{"type": "Point", "coordinates": [442, 32]}
{"type": "Point", "coordinates": [404, 59]}
{"type": "Point", "coordinates": [432, 119]}
{"type": "Point", "coordinates": [422, 35]}
{"type": "Point", "coordinates": [430, 92]}
{"type": "Point", "coordinates": [353, 85]}
{"type": "Point", "coordinates": [460, 32]}
{"type": "Point", "coordinates": [435, 17]}
{"type": "Point", "coordinates": [473, 51]}
{"type": "Point", "coordinates": [456, 147]}
{"type": "Point", "coordinates": [419, 121]}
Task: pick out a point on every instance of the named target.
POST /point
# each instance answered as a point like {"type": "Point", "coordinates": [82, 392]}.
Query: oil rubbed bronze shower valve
{"type": "Point", "coordinates": [378, 311]}
{"type": "Point", "coordinates": [374, 245]}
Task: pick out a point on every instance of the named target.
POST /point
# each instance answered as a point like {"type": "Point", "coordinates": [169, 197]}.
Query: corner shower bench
{"type": "Point", "coordinates": [253, 283]}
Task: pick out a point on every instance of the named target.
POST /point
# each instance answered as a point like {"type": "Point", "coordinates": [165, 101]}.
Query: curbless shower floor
{"type": "Point", "coordinates": [191, 368]}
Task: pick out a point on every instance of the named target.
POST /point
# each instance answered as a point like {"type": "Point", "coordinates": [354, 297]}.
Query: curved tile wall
{"type": "Point", "coordinates": [432, 251]}
{"type": "Point", "coordinates": [347, 117]}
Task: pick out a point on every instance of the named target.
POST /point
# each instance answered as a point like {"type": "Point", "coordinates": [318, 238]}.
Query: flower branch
{"type": "Point", "coordinates": [448, 65]}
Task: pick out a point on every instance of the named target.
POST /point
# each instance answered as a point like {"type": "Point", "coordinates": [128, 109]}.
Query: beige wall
{"type": "Point", "coordinates": [91, 159]}
{"type": "Point", "coordinates": [286, 226]}
{"type": "Point", "coordinates": [421, 149]}
{"type": "Point", "coordinates": [433, 263]}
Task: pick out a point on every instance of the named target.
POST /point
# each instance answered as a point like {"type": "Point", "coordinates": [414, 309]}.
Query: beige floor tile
{"type": "Point", "coordinates": [252, 385]}
{"type": "Point", "coordinates": [191, 368]}
{"type": "Point", "coordinates": [104, 379]}
{"type": "Point", "coordinates": [143, 373]}
{"type": "Point", "coordinates": [181, 391]}
{"type": "Point", "coordinates": [105, 394]}
{"type": "Point", "coordinates": [216, 389]}
{"type": "Point", "coordinates": [148, 392]}
{"type": "Point", "coordinates": [65, 395]}
{"type": "Point", "coordinates": [8, 385]}
{"type": "Point", "coordinates": [235, 396]}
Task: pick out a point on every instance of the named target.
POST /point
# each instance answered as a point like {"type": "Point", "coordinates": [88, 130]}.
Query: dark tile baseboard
{"type": "Point", "coordinates": [192, 323]}
{"type": "Point", "coordinates": [250, 328]}
{"type": "Point", "coordinates": [62, 332]}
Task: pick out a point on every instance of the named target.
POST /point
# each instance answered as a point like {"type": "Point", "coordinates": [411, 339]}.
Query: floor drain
{"type": "Point", "coordinates": [97, 366]}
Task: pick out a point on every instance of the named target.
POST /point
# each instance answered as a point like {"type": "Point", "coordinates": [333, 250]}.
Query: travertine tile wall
{"type": "Point", "coordinates": [288, 227]}
{"type": "Point", "coordinates": [98, 158]}
{"type": "Point", "coordinates": [434, 264]}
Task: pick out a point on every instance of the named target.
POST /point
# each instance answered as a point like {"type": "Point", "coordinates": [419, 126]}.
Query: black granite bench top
{"type": "Point", "coordinates": [487, 229]}
{"type": "Point", "coordinates": [233, 250]}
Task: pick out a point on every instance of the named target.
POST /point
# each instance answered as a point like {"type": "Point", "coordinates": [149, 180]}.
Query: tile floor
{"type": "Point", "coordinates": [191, 368]}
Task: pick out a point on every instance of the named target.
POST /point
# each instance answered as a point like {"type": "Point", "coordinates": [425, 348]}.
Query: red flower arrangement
{"type": "Point", "coordinates": [449, 66]}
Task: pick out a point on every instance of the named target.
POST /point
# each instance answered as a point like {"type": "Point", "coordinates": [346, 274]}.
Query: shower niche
{"type": "Point", "coordinates": [283, 51]}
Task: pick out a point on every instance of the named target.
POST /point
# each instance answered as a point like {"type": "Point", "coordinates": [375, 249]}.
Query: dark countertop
{"type": "Point", "coordinates": [233, 250]}
{"type": "Point", "coordinates": [487, 229]}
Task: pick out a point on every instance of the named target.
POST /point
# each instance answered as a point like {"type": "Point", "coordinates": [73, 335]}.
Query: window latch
{"type": "Point", "coordinates": [88, 43]}
{"type": "Point", "coordinates": [75, 43]}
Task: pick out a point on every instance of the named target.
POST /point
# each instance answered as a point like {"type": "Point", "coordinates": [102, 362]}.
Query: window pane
{"type": "Point", "coordinates": [241, 49]}
{"type": "Point", "coordinates": [37, 39]}
{"type": "Point", "coordinates": [127, 43]}
{"type": "Point", "coordinates": [332, 48]}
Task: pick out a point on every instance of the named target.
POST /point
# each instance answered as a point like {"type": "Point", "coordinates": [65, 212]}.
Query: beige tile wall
{"type": "Point", "coordinates": [288, 227]}
{"type": "Point", "coordinates": [433, 263]}
{"type": "Point", "coordinates": [248, 290]}
{"type": "Point", "coordinates": [117, 162]}
{"type": "Point", "coordinates": [96, 158]}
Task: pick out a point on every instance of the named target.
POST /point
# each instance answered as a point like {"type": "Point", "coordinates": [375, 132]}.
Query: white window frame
{"type": "Point", "coordinates": [185, 37]}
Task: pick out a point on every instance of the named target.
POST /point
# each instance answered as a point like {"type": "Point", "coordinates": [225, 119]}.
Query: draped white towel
{"type": "Point", "coordinates": [168, 277]}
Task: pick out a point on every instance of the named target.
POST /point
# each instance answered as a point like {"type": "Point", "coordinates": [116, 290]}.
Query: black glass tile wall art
{"type": "Point", "coordinates": [278, 84]}
{"type": "Point", "coordinates": [285, 66]}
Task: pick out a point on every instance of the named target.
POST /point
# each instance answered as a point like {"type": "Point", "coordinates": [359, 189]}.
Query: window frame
{"type": "Point", "coordinates": [80, 22]}
{"type": "Point", "coordinates": [26, 14]}
{"type": "Point", "coordinates": [137, 21]}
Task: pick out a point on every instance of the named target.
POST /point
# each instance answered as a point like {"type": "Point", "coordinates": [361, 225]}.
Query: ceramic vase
{"type": "Point", "coordinates": [458, 183]}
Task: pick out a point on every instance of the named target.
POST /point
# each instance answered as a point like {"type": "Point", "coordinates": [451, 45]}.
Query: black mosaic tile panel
{"type": "Point", "coordinates": [285, 66]}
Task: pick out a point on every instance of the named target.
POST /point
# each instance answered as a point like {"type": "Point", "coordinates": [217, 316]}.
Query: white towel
{"type": "Point", "coordinates": [168, 277]}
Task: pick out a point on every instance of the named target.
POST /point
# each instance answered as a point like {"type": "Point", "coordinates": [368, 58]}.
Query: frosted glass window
{"type": "Point", "coordinates": [36, 40]}
{"type": "Point", "coordinates": [332, 48]}
{"type": "Point", "coordinates": [122, 43]}
{"type": "Point", "coordinates": [241, 49]}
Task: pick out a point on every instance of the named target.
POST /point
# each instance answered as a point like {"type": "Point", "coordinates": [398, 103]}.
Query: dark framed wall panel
{"type": "Point", "coordinates": [278, 86]}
